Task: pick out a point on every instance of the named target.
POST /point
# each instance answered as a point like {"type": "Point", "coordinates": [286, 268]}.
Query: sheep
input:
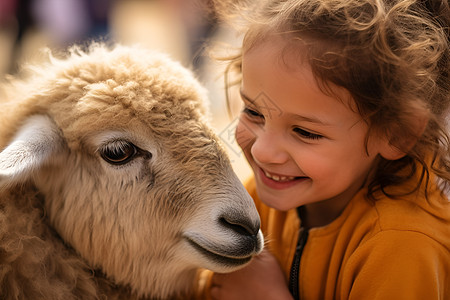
{"type": "Point", "coordinates": [112, 183]}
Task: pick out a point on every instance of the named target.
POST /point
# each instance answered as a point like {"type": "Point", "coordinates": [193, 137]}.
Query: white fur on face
{"type": "Point", "coordinates": [158, 215]}
{"type": "Point", "coordinates": [138, 220]}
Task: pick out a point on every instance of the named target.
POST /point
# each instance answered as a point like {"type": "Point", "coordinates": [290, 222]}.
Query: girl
{"type": "Point", "coordinates": [344, 127]}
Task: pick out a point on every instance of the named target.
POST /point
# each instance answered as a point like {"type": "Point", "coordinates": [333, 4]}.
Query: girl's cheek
{"type": "Point", "coordinates": [244, 135]}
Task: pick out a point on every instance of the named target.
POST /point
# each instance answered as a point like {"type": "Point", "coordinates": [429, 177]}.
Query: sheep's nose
{"type": "Point", "coordinates": [240, 225]}
{"type": "Point", "coordinates": [245, 232]}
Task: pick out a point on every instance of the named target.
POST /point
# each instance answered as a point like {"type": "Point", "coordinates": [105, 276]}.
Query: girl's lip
{"type": "Point", "coordinates": [278, 182]}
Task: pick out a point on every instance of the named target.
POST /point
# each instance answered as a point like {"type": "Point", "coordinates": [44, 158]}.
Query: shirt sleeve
{"type": "Point", "coordinates": [397, 265]}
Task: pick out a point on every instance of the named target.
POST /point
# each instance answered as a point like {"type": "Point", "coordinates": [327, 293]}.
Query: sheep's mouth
{"type": "Point", "coordinates": [218, 258]}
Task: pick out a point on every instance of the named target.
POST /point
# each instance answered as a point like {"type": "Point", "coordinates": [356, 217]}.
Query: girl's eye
{"type": "Point", "coordinates": [252, 113]}
{"type": "Point", "coordinates": [118, 153]}
{"type": "Point", "coordinates": [306, 134]}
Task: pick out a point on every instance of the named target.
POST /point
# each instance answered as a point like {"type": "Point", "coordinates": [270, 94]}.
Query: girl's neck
{"type": "Point", "coordinates": [316, 215]}
{"type": "Point", "coordinates": [322, 213]}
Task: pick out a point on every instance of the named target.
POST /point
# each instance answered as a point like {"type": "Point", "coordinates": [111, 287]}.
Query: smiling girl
{"type": "Point", "coordinates": [345, 105]}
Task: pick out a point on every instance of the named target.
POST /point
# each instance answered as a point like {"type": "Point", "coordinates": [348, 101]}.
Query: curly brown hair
{"type": "Point", "coordinates": [393, 58]}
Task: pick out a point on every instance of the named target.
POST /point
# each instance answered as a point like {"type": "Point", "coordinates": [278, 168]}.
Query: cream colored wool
{"type": "Point", "coordinates": [75, 224]}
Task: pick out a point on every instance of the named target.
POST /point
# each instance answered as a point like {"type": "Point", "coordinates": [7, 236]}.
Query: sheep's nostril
{"type": "Point", "coordinates": [245, 230]}
{"type": "Point", "coordinates": [241, 226]}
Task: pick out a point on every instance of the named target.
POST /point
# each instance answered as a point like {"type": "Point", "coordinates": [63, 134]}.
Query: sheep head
{"type": "Point", "coordinates": [132, 177]}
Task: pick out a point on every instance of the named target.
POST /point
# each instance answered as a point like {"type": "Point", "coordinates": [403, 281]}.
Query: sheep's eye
{"type": "Point", "coordinates": [118, 152]}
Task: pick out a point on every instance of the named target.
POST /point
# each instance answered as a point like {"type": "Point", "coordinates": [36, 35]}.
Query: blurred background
{"type": "Point", "coordinates": [181, 28]}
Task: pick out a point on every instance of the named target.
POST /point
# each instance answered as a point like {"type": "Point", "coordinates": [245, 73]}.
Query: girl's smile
{"type": "Point", "coordinates": [278, 181]}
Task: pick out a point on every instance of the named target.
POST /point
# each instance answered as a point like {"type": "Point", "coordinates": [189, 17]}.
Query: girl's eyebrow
{"type": "Point", "coordinates": [310, 119]}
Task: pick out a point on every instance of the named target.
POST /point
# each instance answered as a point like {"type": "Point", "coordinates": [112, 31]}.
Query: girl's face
{"type": "Point", "coordinates": [304, 146]}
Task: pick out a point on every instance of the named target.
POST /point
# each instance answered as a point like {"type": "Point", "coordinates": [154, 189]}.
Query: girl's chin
{"type": "Point", "coordinates": [277, 202]}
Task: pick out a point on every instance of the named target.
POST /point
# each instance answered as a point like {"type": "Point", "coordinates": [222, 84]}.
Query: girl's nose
{"type": "Point", "coordinates": [268, 148]}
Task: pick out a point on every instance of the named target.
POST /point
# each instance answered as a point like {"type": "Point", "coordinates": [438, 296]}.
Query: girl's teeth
{"type": "Point", "coordinates": [278, 178]}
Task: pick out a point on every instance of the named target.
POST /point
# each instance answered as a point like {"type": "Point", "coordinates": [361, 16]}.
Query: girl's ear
{"type": "Point", "coordinates": [391, 152]}
{"type": "Point", "coordinates": [396, 147]}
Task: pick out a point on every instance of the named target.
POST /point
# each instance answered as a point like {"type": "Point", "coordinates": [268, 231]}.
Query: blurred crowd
{"type": "Point", "coordinates": [178, 26]}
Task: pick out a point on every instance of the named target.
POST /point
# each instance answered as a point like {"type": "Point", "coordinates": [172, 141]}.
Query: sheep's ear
{"type": "Point", "coordinates": [35, 142]}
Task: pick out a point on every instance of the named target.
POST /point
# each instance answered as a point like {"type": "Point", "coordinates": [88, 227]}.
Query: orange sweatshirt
{"type": "Point", "coordinates": [388, 249]}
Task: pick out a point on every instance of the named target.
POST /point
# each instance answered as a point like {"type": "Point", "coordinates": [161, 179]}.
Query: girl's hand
{"type": "Point", "coordinates": [261, 279]}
